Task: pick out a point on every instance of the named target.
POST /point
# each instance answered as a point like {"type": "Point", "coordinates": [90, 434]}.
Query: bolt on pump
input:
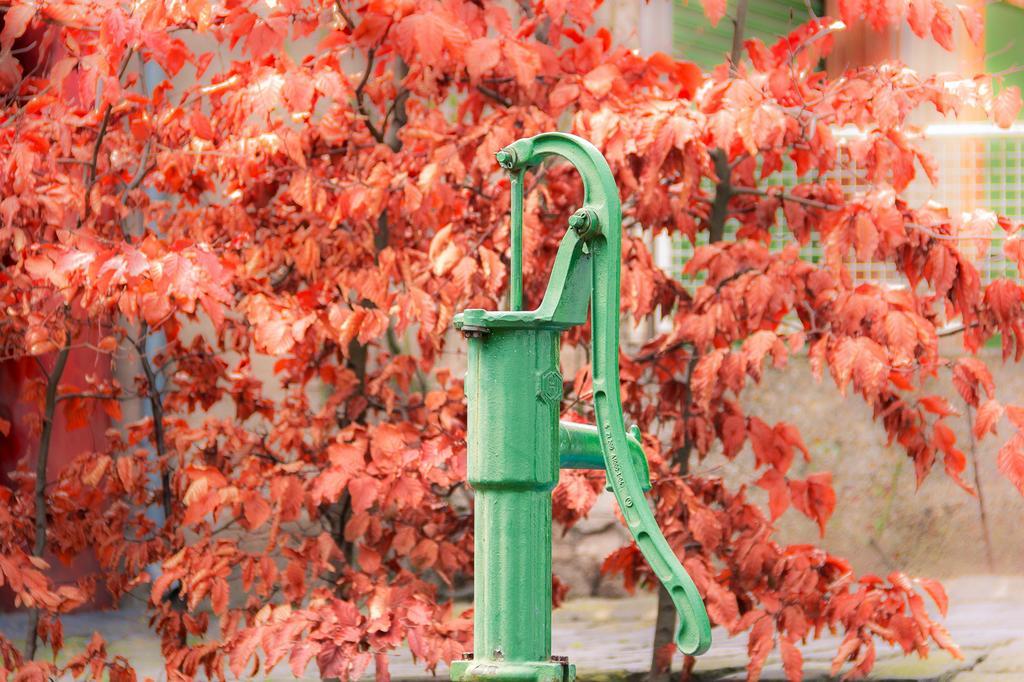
{"type": "Point", "coordinates": [517, 444]}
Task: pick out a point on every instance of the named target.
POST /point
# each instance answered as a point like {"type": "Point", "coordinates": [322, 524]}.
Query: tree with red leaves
{"type": "Point", "coordinates": [257, 220]}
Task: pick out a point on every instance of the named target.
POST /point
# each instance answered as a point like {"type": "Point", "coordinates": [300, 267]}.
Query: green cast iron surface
{"type": "Point", "coordinates": [579, 447]}
{"type": "Point", "coordinates": [513, 465]}
{"type": "Point", "coordinates": [516, 443]}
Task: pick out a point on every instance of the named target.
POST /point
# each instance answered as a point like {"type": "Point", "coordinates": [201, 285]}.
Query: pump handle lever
{"type": "Point", "coordinates": [598, 225]}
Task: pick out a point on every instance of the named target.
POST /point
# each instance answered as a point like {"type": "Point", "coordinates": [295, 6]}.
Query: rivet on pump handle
{"type": "Point", "coordinates": [516, 443]}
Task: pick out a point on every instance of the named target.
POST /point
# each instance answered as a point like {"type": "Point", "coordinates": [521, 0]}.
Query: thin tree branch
{"type": "Point", "coordinates": [160, 442]}
{"type": "Point", "coordinates": [348, 20]}
{"type": "Point", "coordinates": [739, 28]}
{"type": "Point", "coordinates": [723, 193]}
{"type": "Point", "coordinates": [814, 203]}
{"type": "Point", "coordinates": [397, 116]}
{"type": "Point", "coordinates": [477, 191]}
{"type": "Point", "coordinates": [784, 196]}
{"type": "Point", "coordinates": [371, 58]}
{"type": "Point", "coordinates": [159, 437]}
{"type": "Point", "coordinates": [495, 95]}
{"type": "Point", "coordinates": [93, 396]}
{"type": "Point", "coordinates": [982, 511]}
{"type": "Point", "coordinates": [140, 173]}
{"type": "Point", "coordinates": [42, 459]}
{"type": "Point", "coordinates": [90, 170]}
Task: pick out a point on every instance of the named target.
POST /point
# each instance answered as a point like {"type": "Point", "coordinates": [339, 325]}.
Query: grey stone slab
{"type": "Point", "coordinates": [1007, 659]}
{"type": "Point", "coordinates": [608, 639]}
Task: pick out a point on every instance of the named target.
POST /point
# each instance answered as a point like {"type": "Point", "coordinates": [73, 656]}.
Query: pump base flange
{"type": "Point", "coordinates": [513, 671]}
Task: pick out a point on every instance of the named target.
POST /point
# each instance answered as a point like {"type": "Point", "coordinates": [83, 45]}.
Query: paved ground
{"type": "Point", "coordinates": [609, 639]}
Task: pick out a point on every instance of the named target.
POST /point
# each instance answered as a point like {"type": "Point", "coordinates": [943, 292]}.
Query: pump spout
{"type": "Point", "coordinates": [579, 447]}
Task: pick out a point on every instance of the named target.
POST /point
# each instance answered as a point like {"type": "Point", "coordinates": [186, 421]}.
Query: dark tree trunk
{"type": "Point", "coordinates": [42, 457]}
{"type": "Point", "coordinates": [664, 628]}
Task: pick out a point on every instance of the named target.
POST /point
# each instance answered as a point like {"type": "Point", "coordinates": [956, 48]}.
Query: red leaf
{"type": "Point", "coordinates": [734, 434]}
{"type": "Point", "coordinates": [170, 53]}
{"type": "Point", "coordinates": [301, 653]}
{"type": "Point", "coordinates": [1006, 106]}
{"type": "Point", "coordinates": [757, 346]}
{"type": "Point", "coordinates": [623, 560]}
{"type": "Point", "coordinates": [600, 80]}
{"type": "Point", "coordinates": [201, 125]}
{"type": "Point", "coordinates": [901, 336]}
{"type": "Point", "coordinates": [942, 637]}
{"type": "Point", "coordinates": [482, 55]}
{"type": "Point", "coordinates": [663, 657]}
{"type": "Point", "coordinates": [429, 35]}
{"type": "Point", "coordinates": [298, 92]}
{"type": "Point", "coordinates": [77, 411]}
{"type": "Point", "coordinates": [944, 440]}
{"type": "Point", "coordinates": [387, 445]}
{"type": "Point", "coordinates": [919, 16]}
{"type": "Point", "coordinates": [256, 510]}
{"type": "Point", "coordinates": [863, 360]}
{"type": "Point", "coordinates": [850, 11]}
{"type": "Point", "coordinates": [721, 602]}
{"type": "Point", "coordinates": [242, 650]}
{"type": "Point", "coordinates": [689, 76]}
{"type": "Point", "coordinates": [219, 593]}
{"type": "Point", "coordinates": [705, 527]}
{"type": "Point", "coordinates": [851, 644]}
{"type": "Point", "coordinates": [264, 38]}
{"type": "Point", "coordinates": [555, 9]}
{"type": "Point", "coordinates": [714, 10]}
{"type": "Point", "coordinates": [936, 591]}
{"type": "Point", "coordinates": [425, 553]}
{"type": "Point", "coordinates": [364, 491]}
{"type": "Point", "coordinates": [563, 95]}
{"type": "Point", "coordinates": [937, 405]}
{"type": "Point", "coordinates": [328, 485]}
{"type": "Point", "coordinates": [866, 235]}
{"type": "Point", "coordinates": [987, 419]}
{"type": "Point", "coordinates": [759, 644]}
{"type": "Point", "coordinates": [1011, 461]}
{"type": "Point", "coordinates": [778, 492]}
{"type": "Point", "coordinates": [444, 252]}
{"type": "Point", "coordinates": [769, 448]}
{"type": "Point", "coordinates": [1016, 415]}
{"type": "Point", "coordinates": [792, 660]}
{"type": "Point", "coordinates": [815, 497]}
{"type": "Point", "coordinates": [970, 374]}
{"type": "Point", "coordinates": [112, 408]}
{"type": "Point", "coordinates": [39, 267]}
{"type": "Point", "coordinates": [16, 21]}
{"type": "Point", "coordinates": [942, 25]}
{"type": "Point", "coordinates": [494, 270]}
{"type": "Point", "coordinates": [705, 377]}
{"type": "Point", "coordinates": [973, 22]}
{"type": "Point", "coordinates": [791, 436]}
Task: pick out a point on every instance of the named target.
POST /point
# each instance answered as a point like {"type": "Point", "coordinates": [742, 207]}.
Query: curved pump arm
{"type": "Point", "coordinates": [587, 270]}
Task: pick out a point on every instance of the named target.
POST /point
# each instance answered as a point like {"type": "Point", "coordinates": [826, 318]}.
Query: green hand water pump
{"type": "Point", "coordinates": [517, 444]}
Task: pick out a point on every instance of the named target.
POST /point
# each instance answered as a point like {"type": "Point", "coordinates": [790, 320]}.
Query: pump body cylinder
{"type": "Point", "coordinates": [514, 389]}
